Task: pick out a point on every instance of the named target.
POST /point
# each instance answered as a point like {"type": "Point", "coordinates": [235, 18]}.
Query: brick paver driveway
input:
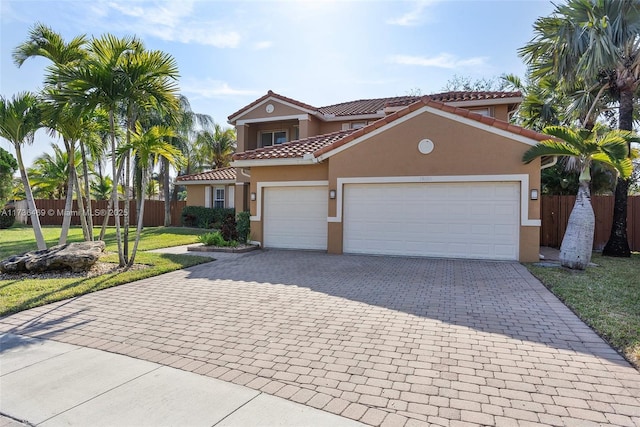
{"type": "Point", "coordinates": [387, 341]}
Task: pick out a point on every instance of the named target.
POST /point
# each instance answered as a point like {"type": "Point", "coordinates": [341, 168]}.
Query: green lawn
{"type": "Point", "coordinates": [17, 295]}
{"type": "Point", "coordinates": [606, 297]}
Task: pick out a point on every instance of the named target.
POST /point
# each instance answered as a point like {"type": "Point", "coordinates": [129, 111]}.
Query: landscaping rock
{"type": "Point", "coordinates": [72, 256]}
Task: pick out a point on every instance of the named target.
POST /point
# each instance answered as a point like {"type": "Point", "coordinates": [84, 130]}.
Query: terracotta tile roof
{"type": "Point", "coordinates": [472, 96]}
{"type": "Point", "coordinates": [322, 144]}
{"type": "Point", "coordinates": [269, 94]}
{"type": "Point", "coordinates": [222, 174]}
{"type": "Point", "coordinates": [294, 148]}
{"type": "Point", "coordinates": [426, 101]}
{"type": "Point", "coordinates": [366, 106]}
{"type": "Point", "coordinates": [373, 106]}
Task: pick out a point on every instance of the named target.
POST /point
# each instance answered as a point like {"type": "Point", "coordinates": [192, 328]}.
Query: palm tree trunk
{"type": "Point", "coordinates": [31, 204]}
{"type": "Point", "coordinates": [107, 216]}
{"type": "Point", "coordinates": [618, 243]}
{"type": "Point", "coordinates": [85, 170]}
{"type": "Point", "coordinates": [577, 244]}
{"type": "Point", "coordinates": [114, 190]}
{"type": "Point", "coordinates": [83, 218]}
{"type": "Point", "coordinates": [166, 192]}
{"type": "Point", "coordinates": [140, 214]}
{"type": "Point", "coordinates": [68, 204]}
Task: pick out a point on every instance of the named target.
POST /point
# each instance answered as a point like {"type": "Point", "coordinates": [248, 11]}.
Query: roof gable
{"type": "Point", "coordinates": [271, 96]}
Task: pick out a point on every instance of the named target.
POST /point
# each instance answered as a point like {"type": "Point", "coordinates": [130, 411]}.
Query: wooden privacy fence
{"type": "Point", "coordinates": [555, 212]}
{"type": "Point", "coordinates": [52, 212]}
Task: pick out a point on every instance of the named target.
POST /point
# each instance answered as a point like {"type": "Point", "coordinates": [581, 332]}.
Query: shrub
{"type": "Point", "coordinates": [243, 226]}
{"type": "Point", "coordinates": [7, 217]}
{"type": "Point", "coordinates": [215, 239]}
{"type": "Point", "coordinates": [228, 229]}
{"type": "Point", "coordinates": [199, 216]}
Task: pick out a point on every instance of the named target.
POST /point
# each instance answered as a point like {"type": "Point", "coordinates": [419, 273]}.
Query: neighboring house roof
{"type": "Point", "coordinates": [318, 145]}
{"type": "Point", "coordinates": [377, 105]}
{"type": "Point", "coordinates": [293, 149]}
{"type": "Point", "coordinates": [222, 174]}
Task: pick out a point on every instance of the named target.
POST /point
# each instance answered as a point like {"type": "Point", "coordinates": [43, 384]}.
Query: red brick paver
{"type": "Point", "coordinates": [387, 341]}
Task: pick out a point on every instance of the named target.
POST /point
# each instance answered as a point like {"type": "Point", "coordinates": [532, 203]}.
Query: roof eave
{"type": "Point", "coordinates": [206, 182]}
{"type": "Point", "coordinates": [308, 159]}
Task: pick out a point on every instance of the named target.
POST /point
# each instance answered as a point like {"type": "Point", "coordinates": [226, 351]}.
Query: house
{"type": "Point", "coordinates": [211, 189]}
{"type": "Point", "coordinates": [439, 176]}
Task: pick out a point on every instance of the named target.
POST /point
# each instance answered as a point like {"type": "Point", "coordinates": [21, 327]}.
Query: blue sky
{"type": "Point", "coordinates": [231, 52]}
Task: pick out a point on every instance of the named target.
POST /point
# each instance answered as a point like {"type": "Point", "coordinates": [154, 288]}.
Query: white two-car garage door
{"type": "Point", "coordinates": [295, 217]}
{"type": "Point", "coordinates": [459, 220]}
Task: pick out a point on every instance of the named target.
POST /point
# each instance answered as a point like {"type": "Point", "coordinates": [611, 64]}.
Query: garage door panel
{"type": "Point", "coordinates": [295, 217]}
{"type": "Point", "coordinates": [466, 220]}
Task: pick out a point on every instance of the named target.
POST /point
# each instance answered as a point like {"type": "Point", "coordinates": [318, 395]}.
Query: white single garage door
{"type": "Point", "coordinates": [459, 220]}
{"type": "Point", "coordinates": [295, 217]}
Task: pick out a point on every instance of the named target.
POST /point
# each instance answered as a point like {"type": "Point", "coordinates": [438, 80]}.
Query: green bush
{"type": "Point", "coordinates": [199, 216]}
{"type": "Point", "coordinates": [243, 225]}
{"type": "Point", "coordinates": [215, 239]}
{"type": "Point", "coordinates": [7, 217]}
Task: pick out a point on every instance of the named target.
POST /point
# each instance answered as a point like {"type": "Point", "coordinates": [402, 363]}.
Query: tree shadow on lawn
{"type": "Point", "coordinates": [489, 296]}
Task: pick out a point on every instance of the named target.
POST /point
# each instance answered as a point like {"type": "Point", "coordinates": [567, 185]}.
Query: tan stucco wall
{"type": "Point", "coordinates": [458, 150]}
{"type": "Point", "coordinates": [316, 172]}
{"type": "Point", "coordinates": [195, 195]}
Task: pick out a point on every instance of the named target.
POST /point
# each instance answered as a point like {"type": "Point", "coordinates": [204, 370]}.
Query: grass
{"type": "Point", "coordinates": [606, 297]}
{"type": "Point", "coordinates": [18, 295]}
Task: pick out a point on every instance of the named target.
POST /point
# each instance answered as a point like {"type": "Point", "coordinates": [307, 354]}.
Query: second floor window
{"type": "Point", "coordinates": [273, 138]}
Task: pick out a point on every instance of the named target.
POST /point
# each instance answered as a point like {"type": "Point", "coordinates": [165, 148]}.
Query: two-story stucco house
{"type": "Point", "coordinates": [439, 175]}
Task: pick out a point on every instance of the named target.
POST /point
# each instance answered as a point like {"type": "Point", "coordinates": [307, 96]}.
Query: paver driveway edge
{"type": "Point", "coordinates": [386, 341]}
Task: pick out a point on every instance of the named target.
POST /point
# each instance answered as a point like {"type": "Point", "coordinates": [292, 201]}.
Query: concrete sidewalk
{"type": "Point", "coordinates": [48, 383]}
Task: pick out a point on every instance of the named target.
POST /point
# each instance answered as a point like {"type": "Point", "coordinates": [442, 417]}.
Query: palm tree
{"type": "Point", "coordinates": [50, 174]}
{"type": "Point", "coordinates": [596, 42]}
{"type": "Point", "coordinates": [586, 146]}
{"type": "Point", "coordinates": [19, 121]}
{"type": "Point", "coordinates": [216, 148]}
{"type": "Point", "coordinates": [185, 123]}
{"type": "Point", "coordinates": [44, 42]}
{"type": "Point", "coordinates": [148, 146]}
{"type": "Point", "coordinates": [120, 75]}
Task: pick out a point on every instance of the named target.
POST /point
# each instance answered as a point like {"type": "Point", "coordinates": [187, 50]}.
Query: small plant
{"type": "Point", "coordinates": [215, 239]}
{"type": "Point", "coordinates": [243, 226]}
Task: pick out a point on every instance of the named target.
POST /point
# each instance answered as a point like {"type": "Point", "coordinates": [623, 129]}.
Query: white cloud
{"type": "Point", "coordinates": [263, 45]}
{"type": "Point", "coordinates": [413, 17]}
{"type": "Point", "coordinates": [210, 88]}
{"type": "Point", "coordinates": [444, 60]}
{"type": "Point", "coordinates": [174, 21]}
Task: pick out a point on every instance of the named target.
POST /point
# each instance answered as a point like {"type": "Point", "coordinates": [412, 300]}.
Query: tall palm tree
{"type": "Point", "coordinates": [597, 42]}
{"type": "Point", "coordinates": [119, 74]}
{"type": "Point", "coordinates": [42, 41]}
{"type": "Point", "coordinates": [100, 82]}
{"type": "Point", "coordinates": [19, 121]}
{"type": "Point", "coordinates": [148, 147]}
{"type": "Point", "coordinates": [216, 148]}
{"type": "Point", "coordinates": [586, 146]}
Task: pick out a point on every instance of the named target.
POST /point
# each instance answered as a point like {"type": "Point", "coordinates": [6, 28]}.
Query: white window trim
{"type": "Point", "coordinates": [523, 179]}
{"type": "Point", "coordinates": [262, 185]}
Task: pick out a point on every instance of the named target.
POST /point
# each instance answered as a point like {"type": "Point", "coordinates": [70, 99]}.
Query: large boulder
{"type": "Point", "coordinates": [72, 256]}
